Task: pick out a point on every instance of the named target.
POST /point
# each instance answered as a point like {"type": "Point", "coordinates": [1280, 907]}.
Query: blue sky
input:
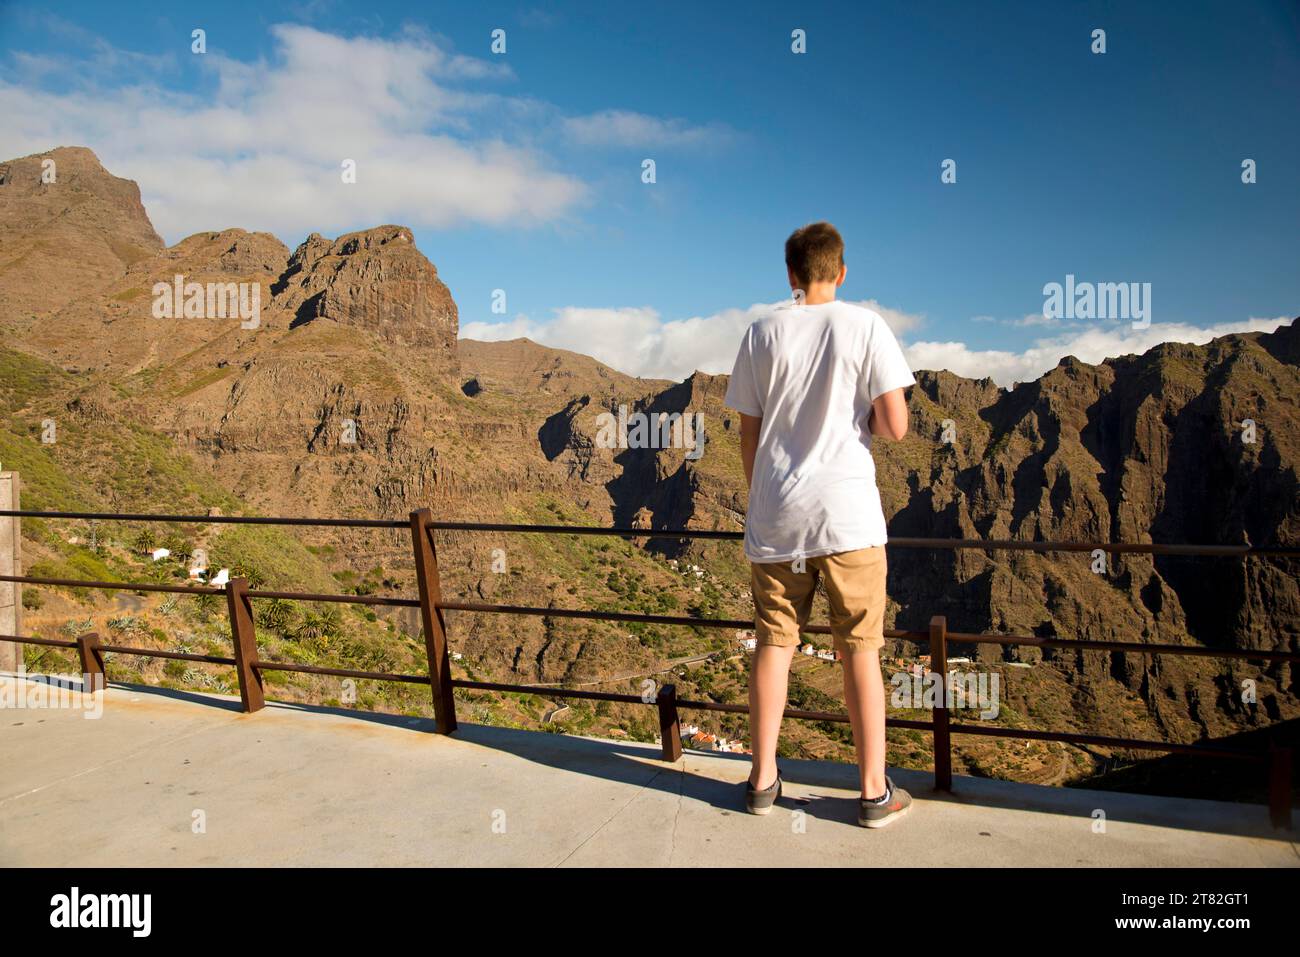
{"type": "Point", "coordinates": [522, 171]}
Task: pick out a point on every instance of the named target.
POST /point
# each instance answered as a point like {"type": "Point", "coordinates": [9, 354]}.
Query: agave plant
{"type": "Point", "coordinates": [126, 625]}
{"type": "Point", "coordinates": [72, 627]}
{"type": "Point", "coordinates": [208, 605]}
{"type": "Point", "coordinates": [277, 614]}
{"type": "Point", "coordinates": [310, 628]}
{"type": "Point", "coordinates": [254, 577]}
{"type": "Point", "coordinates": [320, 627]}
{"type": "Point", "coordinates": [203, 679]}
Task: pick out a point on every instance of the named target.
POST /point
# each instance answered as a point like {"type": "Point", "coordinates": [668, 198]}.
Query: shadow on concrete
{"type": "Point", "coordinates": [639, 764]}
{"type": "Point", "coordinates": [224, 702]}
{"type": "Point", "coordinates": [628, 762]}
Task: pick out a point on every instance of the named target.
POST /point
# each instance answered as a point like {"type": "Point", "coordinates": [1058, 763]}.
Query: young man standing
{"type": "Point", "coordinates": [813, 382]}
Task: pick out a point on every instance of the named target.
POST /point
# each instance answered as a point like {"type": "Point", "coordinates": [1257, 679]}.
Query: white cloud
{"type": "Point", "coordinates": [1091, 345]}
{"type": "Point", "coordinates": [1034, 319]}
{"type": "Point", "coordinates": [625, 128]}
{"type": "Point", "coordinates": [638, 341]}
{"type": "Point", "coordinates": [434, 144]}
{"type": "Point", "coordinates": [265, 150]}
{"type": "Point", "coordinates": [1030, 319]}
{"type": "Point", "coordinates": [898, 321]}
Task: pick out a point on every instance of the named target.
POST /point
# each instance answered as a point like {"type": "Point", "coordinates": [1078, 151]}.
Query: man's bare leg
{"type": "Point", "coordinates": [864, 695]}
{"type": "Point", "coordinates": [769, 680]}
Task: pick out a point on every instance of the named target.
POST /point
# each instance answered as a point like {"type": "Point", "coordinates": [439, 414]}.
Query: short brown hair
{"type": "Point", "coordinates": [815, 253]}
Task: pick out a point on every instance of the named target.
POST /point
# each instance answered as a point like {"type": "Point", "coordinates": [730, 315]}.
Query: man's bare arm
{"type": "Point", "coordinates": [750, 426]}
{"type": "Point", "coordinates": [889, 415]}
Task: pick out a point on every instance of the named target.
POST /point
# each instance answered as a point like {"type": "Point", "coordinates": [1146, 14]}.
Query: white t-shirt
{"type": "Point", "coordinates": [812, 373]}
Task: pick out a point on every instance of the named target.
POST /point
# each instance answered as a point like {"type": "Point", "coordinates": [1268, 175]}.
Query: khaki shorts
{"type": "Point", "coordinates": [855, 585]}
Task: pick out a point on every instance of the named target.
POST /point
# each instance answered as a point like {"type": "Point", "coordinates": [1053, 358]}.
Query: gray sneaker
{"type": "Point", "coordinates": [898, 803]}
{"type": "Point", "coordinates": [760, 802]}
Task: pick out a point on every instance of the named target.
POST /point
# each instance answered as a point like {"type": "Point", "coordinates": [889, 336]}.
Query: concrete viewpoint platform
{"type": "Point", "coordinates": [296, 785]}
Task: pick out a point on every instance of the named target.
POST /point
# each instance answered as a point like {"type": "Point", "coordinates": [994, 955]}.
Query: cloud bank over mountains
{"type": "Point", "coordinates": [638, 341]}
{"type": "Point", "coordinates": [1092, 345]}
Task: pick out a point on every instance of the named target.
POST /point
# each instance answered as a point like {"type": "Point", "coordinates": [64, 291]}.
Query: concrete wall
{"type": "Point", "coordinates": [11, 593]}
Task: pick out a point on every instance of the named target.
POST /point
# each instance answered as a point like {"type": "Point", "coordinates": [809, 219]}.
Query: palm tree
{"type": "Point", "coordinates": [145, 540]}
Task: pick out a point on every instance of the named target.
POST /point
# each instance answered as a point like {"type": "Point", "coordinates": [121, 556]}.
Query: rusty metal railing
{"type": "Point", "coordinates": [249, 666]}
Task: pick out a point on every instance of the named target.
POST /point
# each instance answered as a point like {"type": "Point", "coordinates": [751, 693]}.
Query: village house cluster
{"type": "Point", "coordinates": [199, 571]}
{"type": "Point", "coordinates": [693, 737]}
{"type": "Point", "coordinates": [688, 570]}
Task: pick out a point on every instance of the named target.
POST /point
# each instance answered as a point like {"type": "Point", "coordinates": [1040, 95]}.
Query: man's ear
{"type": "Point", "coordinates": [794, 280]}
{"type": "Point", "coordinates": [844, 271]}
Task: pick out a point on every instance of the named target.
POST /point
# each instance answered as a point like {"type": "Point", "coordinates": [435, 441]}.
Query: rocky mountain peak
{"type": "Point", "coordinates": [72, 225]}
{"type": "Point", "coordinates": [68, 178]}
{"type": "Point", "coordinates": [374, 279]}
{"type": "Point", "coordinates": [235, 252]}
{"type": "Point", "coordinates": [947, 389]}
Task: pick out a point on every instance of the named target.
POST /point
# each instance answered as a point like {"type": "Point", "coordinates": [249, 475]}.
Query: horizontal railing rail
{"type": "Point", "coordinates": [249, 665]}
{"type": "Point", "coordinates": [1001, 544]}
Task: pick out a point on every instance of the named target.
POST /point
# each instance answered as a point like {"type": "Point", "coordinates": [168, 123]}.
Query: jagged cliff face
{"type": "Point", "coordinates": [375, 280]}
{"type": "Point", "coordinates": [352, 397]}
{"type": "Point", "coordinates": [1145, 448]}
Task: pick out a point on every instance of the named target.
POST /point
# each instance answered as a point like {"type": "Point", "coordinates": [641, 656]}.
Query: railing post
{"type": "Point", "coordinates": [92, 662]}
{"type": "Point", "coordinates": [244, 636]}
{"type": "Point", "coordinates": [1279, 787]}
{"type": "Point", "coordinates": [435, 629]}
{"type": "Point", "coordinates": [942, 737]}
{"type": "Point", "coordinates": [11, 563]}
{"type": "Point", "coordinates": [670, 727]}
